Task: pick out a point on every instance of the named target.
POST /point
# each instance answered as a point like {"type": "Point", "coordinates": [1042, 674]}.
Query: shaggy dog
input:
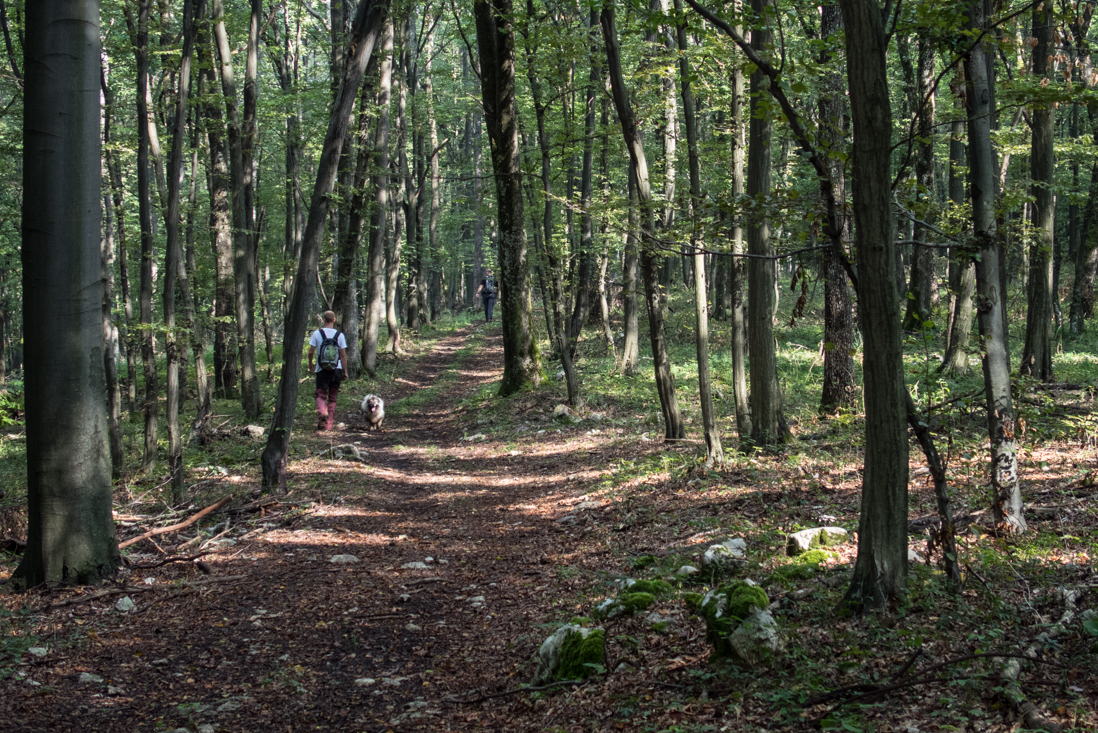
{"type": "Point", "coordinates": [373, 409]}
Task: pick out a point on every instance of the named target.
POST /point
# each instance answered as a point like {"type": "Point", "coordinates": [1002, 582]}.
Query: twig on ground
{"type": "Point", "coordinates": [165, 561]}
{"type": "Point", "coordinates": [175, 527]}
{"type": "Point", "coordinates": [506, 693]}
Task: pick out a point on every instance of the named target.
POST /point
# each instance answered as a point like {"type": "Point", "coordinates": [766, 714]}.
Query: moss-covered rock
{"type": "Point", "coordinates": [801, 542]}
{"type": "Point", "coordinates": [569, 653]}
{"type": "Point", "coordinates": [792, 573]}
{"type": "Point", "coordinates": [639, 563]}
{"type": "Point", "coordinates": [724, 609]}
{"type": "Point", "coordinates": [693, 601]}
{"type": "Point", "coordinates": [653, 587]}
{"type": "Point", "coordinates": [813, 557]}
{"type": "Point", "coordinates": [579, 652]}
{"type": "Point", "coordinates": [637, 601]}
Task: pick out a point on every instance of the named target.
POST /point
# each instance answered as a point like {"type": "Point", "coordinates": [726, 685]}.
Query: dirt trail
{"type": "Point", "coordinates": [298, 642]}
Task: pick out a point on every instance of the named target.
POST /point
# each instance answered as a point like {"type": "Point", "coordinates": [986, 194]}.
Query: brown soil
{"type": "Point", "coordinates": [276, 637]}
{"type": "Point", "coordinates": [516, 535]}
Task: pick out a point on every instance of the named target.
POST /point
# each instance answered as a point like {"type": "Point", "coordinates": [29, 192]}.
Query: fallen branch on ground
{"type": "Point", "coordinates": [175, 527]}
{"type": "Point", "coordinates": [165, 561]}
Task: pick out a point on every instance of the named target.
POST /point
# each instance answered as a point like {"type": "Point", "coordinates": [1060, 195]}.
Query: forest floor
{"type": "Point", "coordinates": [471, 546]}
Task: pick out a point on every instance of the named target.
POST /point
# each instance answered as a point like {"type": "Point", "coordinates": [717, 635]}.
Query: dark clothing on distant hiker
{"type": "Point", "coordinates": [489, 293]}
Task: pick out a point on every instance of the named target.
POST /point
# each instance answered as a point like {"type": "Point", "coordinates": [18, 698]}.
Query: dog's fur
{"type": "Point", "coordinates": [373, 410]}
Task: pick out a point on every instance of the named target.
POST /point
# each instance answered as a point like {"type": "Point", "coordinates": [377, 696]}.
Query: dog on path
{"type": "Point", "coordinates": [373, 410]}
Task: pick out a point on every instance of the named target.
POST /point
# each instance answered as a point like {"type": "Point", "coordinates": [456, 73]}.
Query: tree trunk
{"type": "Point", "coordinates": [375, 266]}
{"type": "Point", "coordinates": [173, 259]}
{"type": "Point", "coordinates": [839, 390]}
{"type": "Point", "coordinates": [880, 572]}
{"type": "Point", "coordinates": [244, 298]}
{"type": "Point", "coordinates": [495, 40]}
{"type": "Point", "coordinates": [145, 297]}
{"type": "Point", "coordinates": [220, 225]}
{"type": "Point", "coordinates": [1037, 351]}
{"type": "Point", "coordinates": [70, 528]}
{"type": "Point", "coordinates": [655, 298]}
{"type": "Point", "coordinates": [365, 32]}
{"type": "Point", "coordinates": [714, 453]}
{"type": "Point", "coordinates": [767, 422]}
{"type": "Point", "coordinates": [922, 277]}
{"type": "Point", "coordinates": [1006, 491]}
{"type": "Point", "coordinates": [345, 298]}
{"type": "Point", "coordinates": [110, 340]}
{"type": "Point", "coordinates": [962, 270]}
{"type": "Point", "coordinates": [737, 267]}
{"type": "Point", "coordinates": [630, 349]}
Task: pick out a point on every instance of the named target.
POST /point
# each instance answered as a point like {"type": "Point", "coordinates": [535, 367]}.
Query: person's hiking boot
{"type": "Point", "coordinates": [321, 423]}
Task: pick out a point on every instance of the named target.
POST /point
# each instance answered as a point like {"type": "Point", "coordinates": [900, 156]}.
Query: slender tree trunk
{"type": "Point", "coordinates": [375, 266]}
{"type": "Point", "coordinates": [880, 572]}
{"type": "Point", "coordinates": [962, 270]}
{"type": "Point", "coordinates": [70, 528]}
{"type": "Point", "coordinates": [839, 389]}
{"type": "Point", "coordinates": [630, 349]}
{"type": "Point", "coordinates": [767, 422]}
{"type": "Point", "coordinates": [654, 296]}
{"type": "Point", "coordinates": [145, 298]}
{"type": "Point", "coordinates": [1006, 491]}
{"type": "Point", "coordinates": [1037, 351]}
{"type": "Point", "coordinates": [495, 40]}
{"type": "Point", "coordinates": [250, 398]}
{"type": "Point", "coordinates": [1086, 256]}
{"type": "Point", "coordinates": [922, 277]}
{"type": "Point", "coordinates": [365, 33]}
{"type": "Point", "coordinates": [714, 454]}
{"type": "Point", "coordinates": [737, 266]}
{"type": "Point", "coordinates": [220, 224]}
{"type": "Point", "coordinates": [174, 259]}
{"type": "Point", "coordinates": [110, 340]}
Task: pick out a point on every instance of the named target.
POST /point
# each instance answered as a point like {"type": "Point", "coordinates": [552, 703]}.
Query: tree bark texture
{"type": "Point", "coordinates": [1037, 350]}
{"type": "Point", "coordinates": [70, 530]}
{"type": "Point", "coordinates": [375, 261]}
{"type": "Point", "coordinates": [650, 258]}
{"type": "Point", "coordinates": [1006, 496]}
{"type": "Point", "coordinates": [496, 43]}
{"type": "Point", "coordinates": [366, 30]}
{"type": "Point", "coordinates": [880, 572]}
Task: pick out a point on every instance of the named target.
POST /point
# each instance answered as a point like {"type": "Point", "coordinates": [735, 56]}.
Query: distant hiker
{"type": "Point", "coordinates": [490, 291]}
{"type": "Point", "coordinates": [331, 344]}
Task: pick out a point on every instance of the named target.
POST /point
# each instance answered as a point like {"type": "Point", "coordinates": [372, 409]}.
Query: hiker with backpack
{"type": "Point", "coordinates": [490, 291]}
{"type": "Point", "coordinates": [329, 345]}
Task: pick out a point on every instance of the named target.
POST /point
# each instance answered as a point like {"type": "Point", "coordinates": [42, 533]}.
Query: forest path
{"type": "Point", "coordinates": [293, 641]}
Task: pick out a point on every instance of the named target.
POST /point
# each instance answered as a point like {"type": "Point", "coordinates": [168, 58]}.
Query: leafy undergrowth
{"type": "Point", "coordinates": [481, 524]}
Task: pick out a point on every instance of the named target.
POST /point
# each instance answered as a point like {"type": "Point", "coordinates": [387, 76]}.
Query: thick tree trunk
{"type": "Point", "coordinates": [365, 33]}
{"type": "Point", "coordinates": [880, 572]}
{"type": "Point", "coordinates": [1037, 351]}
{"type": "Point", "coordinates": [767, 422]}
{"type": "Point", "coordinates": [70, 528]}
{"type": "Point", "coordinates": [654, 296]}
{"type": "Point", "coordinates": [1006, 491]}
{"type": "Point", "coordinates": [496, 42]}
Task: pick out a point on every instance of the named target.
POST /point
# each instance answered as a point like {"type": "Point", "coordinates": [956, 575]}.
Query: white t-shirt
{"type": "Point", "coordinates": [318, 339]}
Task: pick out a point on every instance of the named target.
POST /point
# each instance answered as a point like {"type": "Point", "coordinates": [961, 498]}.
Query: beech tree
{"type": "Point", "coordinates": [70, 531]}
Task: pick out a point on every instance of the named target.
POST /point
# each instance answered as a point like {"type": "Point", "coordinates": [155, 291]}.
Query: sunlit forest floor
{"type": "Point", "coordinates": [479, 525]}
